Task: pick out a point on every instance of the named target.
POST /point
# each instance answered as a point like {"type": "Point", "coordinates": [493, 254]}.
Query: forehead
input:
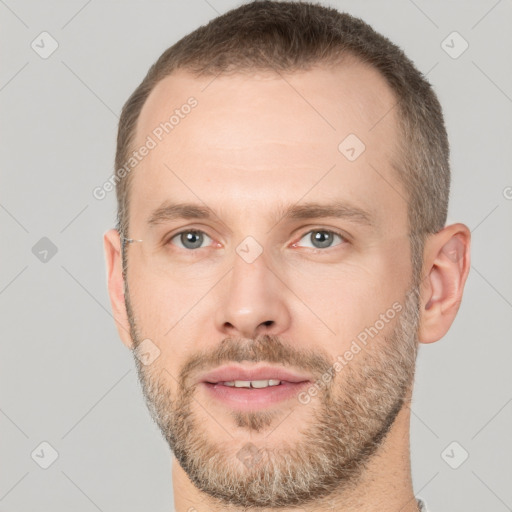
{"type": "Point", "coordinates": [249, 131]}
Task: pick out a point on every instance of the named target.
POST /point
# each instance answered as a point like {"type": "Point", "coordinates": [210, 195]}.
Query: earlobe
{"type": "Point", "coordinates": [446, 267]}
{"type": "Point", "coordinates": [116, 284]}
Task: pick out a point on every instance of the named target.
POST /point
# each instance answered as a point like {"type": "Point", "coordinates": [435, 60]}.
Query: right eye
{"type": "Point", "coordinates": [190, 239]}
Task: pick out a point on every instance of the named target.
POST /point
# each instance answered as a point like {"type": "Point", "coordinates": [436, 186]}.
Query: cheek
{"type": "Point", "coordinates": [347, 298]}
{"type": "Point", "coordinates": [166, 293]}
{"type": "Point", "coordinates": [170, 310]}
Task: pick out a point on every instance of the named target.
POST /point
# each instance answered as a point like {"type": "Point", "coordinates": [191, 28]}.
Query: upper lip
{"type": "Point", "coordinates": [232, 373]}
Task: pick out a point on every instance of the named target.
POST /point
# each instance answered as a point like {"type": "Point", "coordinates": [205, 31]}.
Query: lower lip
{"type": "Point", "coordinates": [246, 399]}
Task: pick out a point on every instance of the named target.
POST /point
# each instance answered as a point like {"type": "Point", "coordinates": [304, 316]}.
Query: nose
{"type": "Point", "coordinates": [253, 300]}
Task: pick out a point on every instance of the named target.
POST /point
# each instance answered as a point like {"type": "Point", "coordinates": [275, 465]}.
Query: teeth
{"type": "Point", "coordinates": [252, 383]}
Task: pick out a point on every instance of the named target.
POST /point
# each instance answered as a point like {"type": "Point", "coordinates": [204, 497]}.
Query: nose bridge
{"type": "Point", "coordinates": [253, 299]}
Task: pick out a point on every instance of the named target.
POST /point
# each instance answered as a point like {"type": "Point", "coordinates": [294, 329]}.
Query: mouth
{"type": "Point", "coordinates": [253, 389]}
{"type": "Point", "coordinates": [250, 384]}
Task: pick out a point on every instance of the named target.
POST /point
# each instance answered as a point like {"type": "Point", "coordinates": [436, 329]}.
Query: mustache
{"type": "Point", "coordinates": [266, 348]}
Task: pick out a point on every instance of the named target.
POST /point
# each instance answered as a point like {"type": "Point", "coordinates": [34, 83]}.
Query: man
{"type": "Point", "coordinates": [282, 179]}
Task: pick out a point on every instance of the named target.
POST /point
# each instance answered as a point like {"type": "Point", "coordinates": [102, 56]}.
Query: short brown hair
{"type": "Point", "coordinates": [291, 36]}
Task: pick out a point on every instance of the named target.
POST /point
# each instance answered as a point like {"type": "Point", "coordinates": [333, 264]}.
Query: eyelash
{"type": "Point", "coordinates": [343, 237]}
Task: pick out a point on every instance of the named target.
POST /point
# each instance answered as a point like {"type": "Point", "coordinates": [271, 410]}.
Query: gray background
{"type": "Point", "coordinates": [67, 379]}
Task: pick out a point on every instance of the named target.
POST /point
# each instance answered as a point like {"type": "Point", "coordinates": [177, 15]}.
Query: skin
{"type": "Point", "coordinates": [255, 143]}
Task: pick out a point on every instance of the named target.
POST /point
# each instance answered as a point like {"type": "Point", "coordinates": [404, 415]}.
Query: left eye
{"type": "Point", "coordinates": [190, 239]}
{"type": "Point", "coordinates": [321, 238]}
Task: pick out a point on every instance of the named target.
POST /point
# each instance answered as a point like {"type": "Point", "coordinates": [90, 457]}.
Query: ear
{"type": "Point", "coordinates": [113, 260]}
{"type": "Point", "coordinates": [446, 264]}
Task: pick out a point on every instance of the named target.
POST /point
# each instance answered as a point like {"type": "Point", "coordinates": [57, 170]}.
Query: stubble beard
{"type": "Point", "coordinates": [328, 454]}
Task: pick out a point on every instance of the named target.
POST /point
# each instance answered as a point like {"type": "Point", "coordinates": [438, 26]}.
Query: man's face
{"type": "Point", "coordinates": [250, 286]}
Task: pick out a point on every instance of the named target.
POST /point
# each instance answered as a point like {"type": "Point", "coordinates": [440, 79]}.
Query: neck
{"type": "Point", "coordinates": [385, 485]}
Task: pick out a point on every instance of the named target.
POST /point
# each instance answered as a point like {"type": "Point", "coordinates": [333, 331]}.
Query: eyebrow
{"type": "Point", "coordinates": [169, 211]}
